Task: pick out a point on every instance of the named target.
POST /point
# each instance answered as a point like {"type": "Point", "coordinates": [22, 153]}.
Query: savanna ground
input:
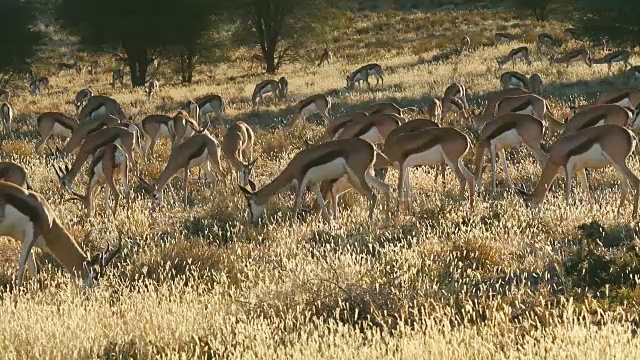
{"type": "Point", "coordinates": [441, 281]}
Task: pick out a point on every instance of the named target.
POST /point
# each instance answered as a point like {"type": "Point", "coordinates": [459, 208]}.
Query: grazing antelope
{"type": "Point", "coordinates": [81, 98]}
{"type": "Point", "coordinates": [433, 109]}
{"type": "Point", "coordinates": [284, 88]}
{"type": "Point", "coordinates": [363, 73]}
{"type": "Point", "coordinates": [431, 146]}
{"type": "Point", "coordinates": [117, 76]}
{"type": "Point", "coordinates": [314, 104]}
{"type": "Point", "coordinates": [493, 98]}
{"type": "Point", "coordinates": [455, 106]}
{"type": "Point", "coordinates": [36, 86]}
{"type": "Point", "coordinates": [68, 67]}
{"type": "Point", "coordinates": [152, 88]}
{"type": "Point", "coordinates": [544, 39]}
{"type": "Point", "coordinates": [54, 124]}
{"type": "Point", "coordinates": [337, 124]}
{"type": "Point", "coordinates": [15, 174]}
{"type": "Point", "coordinates": [501, 37]}
{"type": "Point", "coordinates": [85, 129]}
{"type": "Point", "coordinates": [328, 161]}
{"type": "Point", "coordinates": [184, 127]}
{"type": "Point", "coordinates": [388, 108]}
{"type": "Point", "coordinates": [504, 132]}
{"type": "Point", "coordinates": [264, 88]}
{"type": "Point", "coordinates": [535, 83]}
{"type": "Point", "coordinates": [7, 116]}
{"type": "Point", "coordinates": [127, 139]}
{"type": "Point", "coordinates": [521, 52]}
{"type": "Point", "coordinates": [155, 127]}
{"type": "Point", "coordinates": [4, 95]}
{"type": "Point", "coordinates": [27, 217]}
{"type": "Point", "coordinates": [98, 106]}
{"type": "Point", "coordinates": [569, 33]}
{"type": "Point", "coordinates": [465, 44]}
{"type": "Point", "coordinates": [613, 57]}
{"type": "Point", "coordinates": [456, 90]}
{"type": "Point", "coordinates": [510, 79]}
{"type": "Point", "coordinates": [577, 55]}
{"type": "Point", "coordinates": [106, 165]}
{"type": "Point", "coordinates": [200, 150]}
{"type": "Point", "coordinates": [237, 147]}
{"type": "Point", "coordinates": [592, 147]}
{"type": "Point", "coordinates": [207, 104]}
{"type": "Point", "coordinates": [596, 115]}
{"type": "Point", "coordinates": [373, 128]}
{"type": "Point", "coordinates": [325, 57]}
{"type": "Point", "coordinates": [624, 97]}
{"type": "Point", "coordinates": [528, 104]}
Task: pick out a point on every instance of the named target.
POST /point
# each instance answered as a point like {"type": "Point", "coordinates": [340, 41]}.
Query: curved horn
{"type": "Point", "coordinates": [107, 256]}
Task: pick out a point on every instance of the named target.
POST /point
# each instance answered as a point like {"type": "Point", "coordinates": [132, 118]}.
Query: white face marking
{"type": "Point", "coordinates": [327, 171]}
{"type": "Point", "coordinates": [431, 156]}
{"type": "Point", "coordinates": [592, 158]}
{"type": "Point", "coordinates": [507, 139]}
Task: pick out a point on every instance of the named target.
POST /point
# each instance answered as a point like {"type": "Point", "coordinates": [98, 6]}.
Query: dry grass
{"type": "Point", "coordinates": [439, 282]}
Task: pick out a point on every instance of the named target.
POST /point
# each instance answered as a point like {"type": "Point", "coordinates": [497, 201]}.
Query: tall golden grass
{"type": "Point", "coordinates": [440, 281]}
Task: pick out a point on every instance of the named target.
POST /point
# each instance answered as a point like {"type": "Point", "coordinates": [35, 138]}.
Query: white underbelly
{"type": "Point", "coordinates": [198, 160]}
{"type": "Point", "coordinates": [14, 224]}
{"type": "Point", "coordinates": [507, 139]}
{"type": "Point", "coordinates": [592, 158]}
{"type": "Point", "coordinates": [266, 90]}
{"type": "Point", "coordinates": [99, 112]}
{"type": "Point", "coordinates": [60, 130]}
{"type": "Point", "coordinates": [327, 171]}
{"type": "Point", "coordinates": [373, 136]}
{"type": "Point", "coordinates": [431, 156]}
{"type": "Point", "coordinates": [309, 110]}
{"type": "Point", "coordinates": [625, 103]}
{"type": "Point", "coordinates": [98, 173]}
{"type": "Point", "coordinates": [528, 110]}
{"type": "Point", "coordinates": [515, 82]}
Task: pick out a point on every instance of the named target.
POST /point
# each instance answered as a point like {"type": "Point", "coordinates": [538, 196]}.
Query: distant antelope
{"type": "Point", "coordinates": [68, 67]}
{"type": "Point", "coordinates": [325, 57]}
{"type": "Point", "coordinates": [117, 75]}
{"type": "Point", "coordinates": [95, 66]}
{"type": "Point", "coordinates": [456, 90]}
{"type": "Point", "coordinates": [257, 59]}
{"type": "Point", "coordinates": [152, 88]}
{"type": "Point", "coordinates": [616, 56]}
{"type": "Point", "coordinates": [521, 52]}
{"type": "Point", "coordinates": [510, 79]}
{"type": "Point", "coordinates": [263, 88]}
{"type": "Point", "coordinates": [54, 124]}
{"type": "Point", "coordinates": [206, 105]}
{"type": "Point", "coordinates": [544, 39]}
{"type": "Point", "coordinates": [38, 84]}
{"type": "Point", "coordinates": [79, 69]}
{"type": "Point", "coordinates": [569, 33]}
{"type": "Point", "coordinates": [82, 97]}
{"type": "Point", "coordinates": [577, 55]}
{"type": "Point", "coordinates": [314, 104]}
{"type": "Point", "coordinates": [284, 88]}
{"type": "Point", "coordinates": [99, 105]}
{"type": "Point", "coordinates": [362, 75]}
{"type": "Point", "coordinates": [535, 82]}
{"type": "Point", "coordinates": [433, 108]}
{"type": "Point", "coordinates": [237, 147]}
{"type": "Point", "coordinates": [5, 95]}
{"type": "Point", "coordinates": [7, 116]}
{"type": "Point", "coordinates": [465, 44]}
{"type": "Point", "coordinates": [500, 37]}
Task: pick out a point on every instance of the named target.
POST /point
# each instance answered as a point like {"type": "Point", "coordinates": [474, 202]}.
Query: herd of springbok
{"type": "Point", "coordinates": [359, 149]}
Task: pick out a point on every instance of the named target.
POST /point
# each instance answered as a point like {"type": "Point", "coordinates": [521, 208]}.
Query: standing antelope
{"type": "Point", "coordinates": [373, 128]}
{"type": "Point", "coordinates": [208, 104]}
{"type": "Point", "coordinates": [126, 138]}
{"type": "Point", "coordinates": [332, 160]}
{"type": "Point", "coordinates": [81, 98]}
{"type": "Point", "coordinates": [54, 124]}
{"type": "Point", "coordinates": [465, 44]}
{"type": "Point", "coordinates": [431, 146]}
{"type": "Point", "coordinates": [337, 124]}
{"type": "Point", "coordinates": [597, 115]}
{"type": "Point", "coordinates": [456, 90]}
{"type": "Point", "coordinates": [528, 104]}
{"type": "Point", "coordinates": [106, 165]}
{"type": "Point", "coordinates": [117, 76]}
{"type": "Point", "coordinates": [152, 88]}
{"type": "Point", "coordinates": [200, 150]}
{"type": "Point", "coordinates": [284, 88]}
{"type": "Point", "coordinates": [237, 147]}
{"type": "Point", "coordinates": [28, 218]}
{"type": "Point", "coordinates": [7, 116]}
{"type": "Point", "coordinates": [68, 67]}
{"type": "Point", "coordinates": [15, 174]}
{"type": "Point", "coordinates": [184, 127]}
{"type": "Point", "coordinates": [501, 37]}
{"type": "Point", "coordinates": [263, 88]}
{"type": "Point", "coordinates": [4, 95]}
{"type": "Point", "coordinates": [577, 55]}
{"type": "Point", "coordinates": [318, 103]}
{"type": "Point", "coordinates": [493, 97]}
{"type": "Point", "coordinates": [624, 97]}
{"type": "Point", "coordinates": [544, 39]}
{"type": "Point", "coordinates": [325, 57]}
{"type": "Point", "coordinates": [521, 52]}
{"type": "Point", "coordinates": [593, 147]}
{"type": "Point", "coordinates": [510, 79]}
{"type": "Point", "coordinates": [98, 106]}
{"type": "Point", "coordinates": [455, 106]}
{"type": "Point", "coordinates": [38, 84]}
{"type": "Point", "coordinates": [83, 130]}
{"type": "Point", "coordinates": [622, 56]}
{"type": "Point", "coordinates": [363, 73]}
{"type": "Point", "coordinates": [155, 127]}
{"type": "Point", "coordinates": [535, 83]}
{"type": "Point", "coordinates": [95, 66]}
{"type": "Point", "coordinates": [507, 131]}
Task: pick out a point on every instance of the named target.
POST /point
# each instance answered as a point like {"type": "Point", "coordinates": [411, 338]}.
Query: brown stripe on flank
{"type": "Point", "coordinates": [593, 121]}
{"type": "Point", "coordinates": [364, 129]}
{"type": "Point", "coordinates": [325, 158]}
{"type": "Point", "coordinates": [199, 151]}
{"type": "Point", "coordinates": [582, 148]}
{"type": "Point", "coordinates": [306, 102]}
{"type": "Point", "coordinates": [433, 141]}
{"type": "Point", "coordinates": [522, 106]}
{"type": "Point", "coordinates": [501, 129]}
{"type": "Point", "coordinates": [618, 98]}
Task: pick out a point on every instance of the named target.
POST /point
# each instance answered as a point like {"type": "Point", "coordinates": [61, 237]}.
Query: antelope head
{"type": "Point", "coordinates": [94, 267]}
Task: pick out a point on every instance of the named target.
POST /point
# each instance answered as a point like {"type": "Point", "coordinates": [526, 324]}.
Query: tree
{"type": "Point", "coordinates": [19, 40]}
{"type": "Point", "coordinates": [539, 9]}
{"type": "Point", "coordinates": [615, 21]}
{"type": "Point", "coordinates": [140, 27]}
{"type": "Point", "coordinates": [278, 26]}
